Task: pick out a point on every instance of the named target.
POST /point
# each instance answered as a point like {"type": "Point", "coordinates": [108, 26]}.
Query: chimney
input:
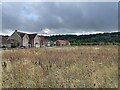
{"type": "Point", "coordinates": [15, 30]}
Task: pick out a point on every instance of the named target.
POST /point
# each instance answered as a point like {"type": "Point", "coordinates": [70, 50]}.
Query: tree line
{"type": "Point", "coordinates": [91, 39]}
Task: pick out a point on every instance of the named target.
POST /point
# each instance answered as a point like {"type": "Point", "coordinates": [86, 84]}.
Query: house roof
{"type": "Point", "coordinates": [31, 36]}
{"type": "Point", "coordinates": [21, 34]}
{"type": "Point", "coordinates": [61, 41]}
{"type": "Point", "coordinates": [41, 38]}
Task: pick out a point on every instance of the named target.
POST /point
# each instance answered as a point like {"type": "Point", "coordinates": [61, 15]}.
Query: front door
{"type": "Point", "coordinates": [37, 45]}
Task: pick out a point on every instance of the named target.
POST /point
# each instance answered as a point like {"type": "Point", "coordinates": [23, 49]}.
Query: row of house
{"type": "Point", "coordinates": [29, 40]}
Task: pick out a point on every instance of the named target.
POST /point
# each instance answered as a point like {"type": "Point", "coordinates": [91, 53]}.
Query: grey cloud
{"type": "Point", "coordinates": [64, 17]}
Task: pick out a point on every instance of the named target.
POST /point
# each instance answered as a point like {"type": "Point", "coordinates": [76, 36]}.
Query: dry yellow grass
{"type": "Point", "coordinates": [67, 67]}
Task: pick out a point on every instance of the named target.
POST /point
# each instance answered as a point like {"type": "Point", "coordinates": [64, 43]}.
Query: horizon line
{"type": "Point", "coordinates": [78, 34]}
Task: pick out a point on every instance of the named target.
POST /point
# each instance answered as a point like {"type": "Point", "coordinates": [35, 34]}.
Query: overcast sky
{"type": "Point", "coordinates": [60, 17]}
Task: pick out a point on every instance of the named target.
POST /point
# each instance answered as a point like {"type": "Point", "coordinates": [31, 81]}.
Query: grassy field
{"type": "Point", "coordinates": [62, 67]}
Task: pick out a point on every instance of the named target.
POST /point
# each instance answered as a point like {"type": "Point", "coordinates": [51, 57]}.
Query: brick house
{"type": "Point", "coordinates": [20, 37]}
{"type": "Point", "coordinates": [61, 43]}
{"type": "Point", "coordinates": [34, 40]}
{"type": "Point", "coordinates": [48, 43]}
{"type": "Point", "coordinates": [41, 39]}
